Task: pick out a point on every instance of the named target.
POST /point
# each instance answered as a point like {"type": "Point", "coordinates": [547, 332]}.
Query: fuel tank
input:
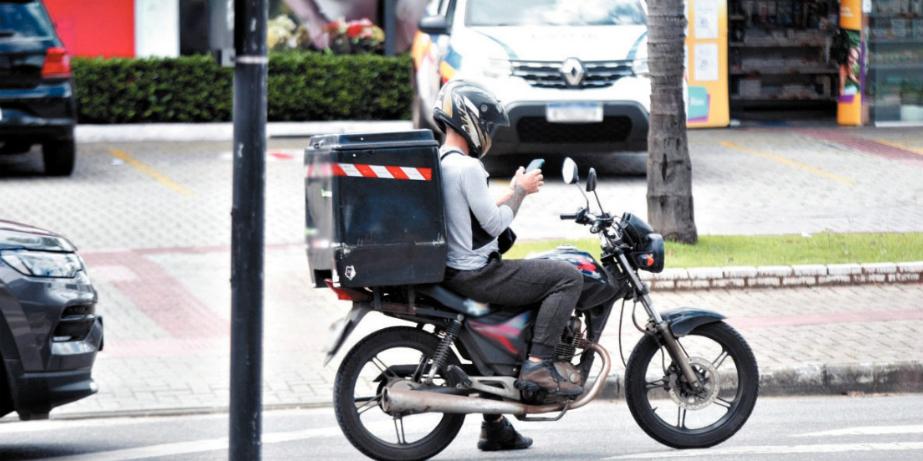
{"type": "Point", "coordinates": [598, 286]}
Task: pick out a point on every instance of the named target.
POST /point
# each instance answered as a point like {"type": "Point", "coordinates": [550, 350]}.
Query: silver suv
{"type": "Point", "coordinates": [571, 74]}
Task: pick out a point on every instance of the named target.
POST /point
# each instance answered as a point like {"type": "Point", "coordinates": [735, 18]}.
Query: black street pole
{"type": "Point", "coordinates": [390, 24]}
{"type": "Point", "coordinates": [247, 214]}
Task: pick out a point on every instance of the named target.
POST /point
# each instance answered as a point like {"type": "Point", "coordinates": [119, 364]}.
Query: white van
{"type": "Point", "coordinates": [572, 74]}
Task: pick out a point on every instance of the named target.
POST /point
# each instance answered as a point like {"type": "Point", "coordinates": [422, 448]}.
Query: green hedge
{"type": "Point", "coordinates": [302, 86]}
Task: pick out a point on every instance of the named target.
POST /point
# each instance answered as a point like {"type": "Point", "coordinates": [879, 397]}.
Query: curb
{"type": "Point", "coordinates": [224, 131]}
{"type": "Point", "coordinates": [822, 379]}
{"type": "Point", "coordinates": [704, 278]}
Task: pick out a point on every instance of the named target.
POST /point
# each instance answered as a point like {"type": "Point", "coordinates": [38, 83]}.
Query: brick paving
{"type": "Point", "coordinates": [160, 260]}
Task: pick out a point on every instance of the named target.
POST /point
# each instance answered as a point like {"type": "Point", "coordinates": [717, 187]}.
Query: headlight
{"type": "Point", "coordinates": [485, 68]}
{"type": "Point", "coordinates": [639, 64]}
{"type": "Point", "coordinates": [43, 263]}
{"type": "Point", "coordinates": [640, 68]}
{"type": "Point", "coordinates": [497, 68]}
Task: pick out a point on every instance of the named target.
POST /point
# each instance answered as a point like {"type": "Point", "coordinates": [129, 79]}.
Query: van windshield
{"type": "Point", "coordinates": [493, 13]}
{"type": "Point", "coordinates": [24, 20]}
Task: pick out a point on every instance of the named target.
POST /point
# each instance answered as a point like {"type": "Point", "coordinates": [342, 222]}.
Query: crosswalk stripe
{"type": "Point", "coordinates": [738, 452]}
{"type": "Point", "coordinates": [867, 430]}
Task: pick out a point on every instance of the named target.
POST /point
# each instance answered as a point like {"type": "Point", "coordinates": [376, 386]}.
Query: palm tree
{"type": "Point", "coordinates": [669, 169]}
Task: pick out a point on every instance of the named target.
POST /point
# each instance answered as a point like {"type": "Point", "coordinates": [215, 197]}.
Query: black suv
{"type": "Point", "coordinates": [36, 92]}
{"type": "Point", "coordinates": [49, 330]}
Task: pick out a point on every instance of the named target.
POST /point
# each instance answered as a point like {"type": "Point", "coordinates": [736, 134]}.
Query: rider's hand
{"type": "Point", "coordinates": [530, 182]}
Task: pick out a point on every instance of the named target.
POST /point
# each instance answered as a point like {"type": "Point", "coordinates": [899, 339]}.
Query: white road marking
{"type": "Point", "coordinates": [777, 450]}
{"type": "Point", "coordinates": [195, 446]}
{"type": "Point", "coordinates": [14, 426]}
{"type": "Point", "coordinates": [867, 430]}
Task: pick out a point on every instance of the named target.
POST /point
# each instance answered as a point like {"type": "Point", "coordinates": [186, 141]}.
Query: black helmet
{"type": "Point", "coordinates": [471, 110]}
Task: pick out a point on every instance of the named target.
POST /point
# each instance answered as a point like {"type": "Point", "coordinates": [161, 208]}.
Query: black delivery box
{"type": "Point", "coordinates": [374, 209]}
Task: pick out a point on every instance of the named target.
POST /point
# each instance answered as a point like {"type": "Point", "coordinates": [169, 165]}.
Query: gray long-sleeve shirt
{"type": "Point", "coordinates": [464, 186]}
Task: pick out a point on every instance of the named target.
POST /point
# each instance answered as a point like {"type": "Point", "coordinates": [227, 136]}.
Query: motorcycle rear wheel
{"type": "Point", "coordinates": [350, 408]}
{"type": "Point", "coordinates": [653, 382]}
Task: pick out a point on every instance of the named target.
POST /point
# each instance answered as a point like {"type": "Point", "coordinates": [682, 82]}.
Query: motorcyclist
{"type": "Point", "coordinates": [468, 113]}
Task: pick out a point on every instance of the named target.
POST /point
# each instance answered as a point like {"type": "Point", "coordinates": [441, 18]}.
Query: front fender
{"type": "Point", "coordinates": [685, 319]}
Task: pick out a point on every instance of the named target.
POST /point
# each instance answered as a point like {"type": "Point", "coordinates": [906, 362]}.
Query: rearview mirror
{"type": "Point", "coordinates": [569, 171]}
{"type": "Point", "coordinates": [591, 180]}
{"type": "Point", "coordinates": [434, 25]}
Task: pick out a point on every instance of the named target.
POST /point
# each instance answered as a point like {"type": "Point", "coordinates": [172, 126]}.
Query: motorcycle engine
{"type": "Point", "coordinates": [567, 348]}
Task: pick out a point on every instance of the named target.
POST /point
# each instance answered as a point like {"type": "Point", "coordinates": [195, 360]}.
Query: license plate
{"type": "Point", "coordinates": [574, 112]}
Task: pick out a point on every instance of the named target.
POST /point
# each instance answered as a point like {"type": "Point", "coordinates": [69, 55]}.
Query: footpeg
{"type": "Point", "coordinates": [527, 386]}
{"type": "Point", "coordinates": [456, 374]}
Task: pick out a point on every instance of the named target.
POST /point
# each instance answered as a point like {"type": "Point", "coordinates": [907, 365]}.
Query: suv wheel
{"type": "Point", "coordinates": [59, 156]}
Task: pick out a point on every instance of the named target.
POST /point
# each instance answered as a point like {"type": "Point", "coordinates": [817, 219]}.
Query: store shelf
{"type": "Point", "coordinates": [897, 41]}
{"type": "Point", "coordinates": [906, 66]}
{"type": "Point", "coordinates": [787, 71]}
{"type": "Point", "coordinates": [780, 99]}
{"type": "Point", "coordinates": [777, 45]}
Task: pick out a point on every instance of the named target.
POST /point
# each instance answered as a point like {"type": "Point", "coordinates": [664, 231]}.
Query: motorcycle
{"type": "Point", "coordinates": [690, 382]}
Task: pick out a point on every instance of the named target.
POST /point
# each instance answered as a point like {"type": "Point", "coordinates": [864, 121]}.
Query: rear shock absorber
{"type": "Point", "coordinates": [444, 349]}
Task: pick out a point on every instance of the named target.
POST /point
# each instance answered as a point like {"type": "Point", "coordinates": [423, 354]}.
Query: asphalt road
{"type": "Point", "coordinates": [816, 428]}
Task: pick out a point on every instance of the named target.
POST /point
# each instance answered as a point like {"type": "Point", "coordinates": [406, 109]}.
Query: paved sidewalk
{"type": "Point", "coordinates": [167, 345]}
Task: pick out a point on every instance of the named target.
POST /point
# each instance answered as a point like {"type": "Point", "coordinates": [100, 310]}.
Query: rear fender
{"type": "Point", "coordinates": [341, 329]}
{"type": "Point", "coordinates": [685, 319]}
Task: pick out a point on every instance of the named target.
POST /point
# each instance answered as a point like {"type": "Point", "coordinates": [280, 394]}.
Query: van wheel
{"type": "Point", "coordinates": [59, 157]}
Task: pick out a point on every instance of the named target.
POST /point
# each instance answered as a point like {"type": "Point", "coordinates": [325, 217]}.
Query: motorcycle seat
{"type": "Point", "coordinates": [454, 301]}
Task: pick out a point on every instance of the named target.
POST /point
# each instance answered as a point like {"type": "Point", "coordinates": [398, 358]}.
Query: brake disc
{"type": "Point", "coordinates": [683, 396]}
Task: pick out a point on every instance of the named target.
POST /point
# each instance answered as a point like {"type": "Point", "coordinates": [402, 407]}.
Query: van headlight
{"type": "Point", "coordinates": [497, 68]}
{"type": "Point", "coordinates": [43, 263]}
{"type": "Point", "coordinates": [640, 68]}
{"type": "Point", "coordinates": [639, 63]}
{"type": "Point", "coordinates": [491, 68]}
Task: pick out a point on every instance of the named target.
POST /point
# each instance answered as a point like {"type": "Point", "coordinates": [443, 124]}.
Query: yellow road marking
{"type": "Point", "coordinates": [901, 146]}
{"type": "Point", "coordinates": [150, 171]}
{"type": "Point", "coordinates": [791, 163]}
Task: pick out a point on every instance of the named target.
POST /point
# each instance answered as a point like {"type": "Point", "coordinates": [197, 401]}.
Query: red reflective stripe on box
{"type": "Point", "coordinates": [396, 172]}
{"type": "Point", "coordinates": [366, 171]}
{"type": "Point", "coordinates": [382, 171]}
{"type": "Point", "coordinates": [337, 171]}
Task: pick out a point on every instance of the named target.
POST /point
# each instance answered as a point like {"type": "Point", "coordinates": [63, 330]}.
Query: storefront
{"type": "Point", "coordinates": [852, 61]}
{"type": "Point", "coordinates": [895, 82]}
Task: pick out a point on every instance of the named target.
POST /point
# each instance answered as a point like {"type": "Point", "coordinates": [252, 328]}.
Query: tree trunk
{"type": "Point", "coordinates": [669, 169]}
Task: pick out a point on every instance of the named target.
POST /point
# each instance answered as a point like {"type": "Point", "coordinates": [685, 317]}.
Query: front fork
{"type": "Point", "coordinates": [660, 327]}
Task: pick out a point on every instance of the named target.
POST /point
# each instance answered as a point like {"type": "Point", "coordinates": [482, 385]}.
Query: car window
{"type": "Point", "coordinates": [554, 13]}
{"type": "Point", "coordinates": [24, 20]}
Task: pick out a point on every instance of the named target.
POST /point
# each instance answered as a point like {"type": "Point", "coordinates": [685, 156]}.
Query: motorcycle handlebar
{"type": "Point", "coordinates": [565, 216]}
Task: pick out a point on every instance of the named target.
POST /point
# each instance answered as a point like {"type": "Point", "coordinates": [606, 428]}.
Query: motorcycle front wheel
{"type": "Point", "coordinates": [669, 410]}
{"type": "Point", "coordinates": [386, 356]}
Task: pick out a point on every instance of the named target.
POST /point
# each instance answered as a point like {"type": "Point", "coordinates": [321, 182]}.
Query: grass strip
{"type": "Point", "coordinates": [768, 250]}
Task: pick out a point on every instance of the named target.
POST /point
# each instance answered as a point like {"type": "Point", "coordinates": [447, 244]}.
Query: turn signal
{"type": "Point", "coordinates": [57, 63]}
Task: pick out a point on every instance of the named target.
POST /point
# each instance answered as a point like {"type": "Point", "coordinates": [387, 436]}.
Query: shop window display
{"type": "Point", "coordinates": [896, 61]}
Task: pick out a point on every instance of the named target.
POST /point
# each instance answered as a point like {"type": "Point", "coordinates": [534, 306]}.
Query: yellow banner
{"type": "Point", "coordinates": [853, 71]}
{"type": "Point", "coordinates": [851, 14]}
{"type": "Point", "coordinates": [707, 102]}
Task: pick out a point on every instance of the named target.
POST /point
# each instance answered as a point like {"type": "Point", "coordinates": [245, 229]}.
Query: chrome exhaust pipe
{"type": "Point", "coordinates": [400, 398]}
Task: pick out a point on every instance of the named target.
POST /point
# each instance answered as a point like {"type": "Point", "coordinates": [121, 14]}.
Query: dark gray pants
{"type": "Point", "coordinates": [519, 282]}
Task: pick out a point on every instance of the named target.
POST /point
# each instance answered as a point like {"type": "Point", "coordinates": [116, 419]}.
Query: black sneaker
{"type": "Point", "coordinates": [501, 435]}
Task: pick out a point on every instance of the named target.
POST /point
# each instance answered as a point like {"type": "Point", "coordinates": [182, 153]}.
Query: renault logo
{"type": "Point", "coordinates": [573, 71]}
